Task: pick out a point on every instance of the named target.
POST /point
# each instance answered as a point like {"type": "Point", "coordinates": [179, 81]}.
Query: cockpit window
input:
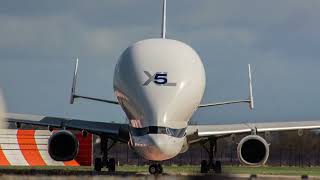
{"type": "Point", "coordinates": [158, 130]}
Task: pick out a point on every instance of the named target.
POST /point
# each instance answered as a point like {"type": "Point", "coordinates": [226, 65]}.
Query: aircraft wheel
{"type": "Point", "coordinates": [153, 169]}
{"type": "Point", "coordinates": [217, 167]}
{"type": "Point", "coordinates": [112, 165]}
{"type": "Point", "coordinates": [159, 169]}
{"type": "Point", "coordinates": [97, 164]}
{"type": "Point", "coordinates": [204, 166]}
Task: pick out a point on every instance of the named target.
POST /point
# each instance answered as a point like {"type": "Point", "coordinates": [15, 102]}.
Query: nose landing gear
{"type": "Point", "coordinates": [155, 168]}
{"type": "Point", "coordinates": [205, 165]}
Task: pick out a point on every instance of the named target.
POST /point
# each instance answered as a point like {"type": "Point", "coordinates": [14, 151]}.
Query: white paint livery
{"type": "Point", "coordinates": [159, 105]}
{"type": "Point", "coordinates": [158, 147]}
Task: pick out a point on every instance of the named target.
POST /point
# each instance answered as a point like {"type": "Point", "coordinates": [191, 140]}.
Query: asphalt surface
{"type": "Point", "coordinates": [57, 174]}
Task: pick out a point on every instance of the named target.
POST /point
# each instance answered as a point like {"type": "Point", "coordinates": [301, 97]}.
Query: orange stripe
{"type": "Point", "coordinates": [71, 163]}
{"type": "Point", "coordinates": [28, 147]}
{"type": "Point", "coordinates": [3, 160]}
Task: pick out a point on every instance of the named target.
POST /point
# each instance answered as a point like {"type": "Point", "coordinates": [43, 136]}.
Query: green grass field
{"type": "Point", "coordinates": [186, 169]}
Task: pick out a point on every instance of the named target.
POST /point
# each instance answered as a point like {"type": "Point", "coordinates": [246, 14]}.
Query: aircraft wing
{"type": "Point", "coordinates": [198, 132]}
{"type": "Point", "coordinates": [115, 131]}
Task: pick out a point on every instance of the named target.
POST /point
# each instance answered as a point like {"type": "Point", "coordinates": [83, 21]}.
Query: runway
{"type": "Point", "coordinates": [151, 177]}
{"type": "Point", "coordinates": [58, 173]}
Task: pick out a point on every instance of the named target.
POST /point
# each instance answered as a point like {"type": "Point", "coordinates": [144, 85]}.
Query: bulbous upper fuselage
{"type": "Point", "coordinates": [159, 83]}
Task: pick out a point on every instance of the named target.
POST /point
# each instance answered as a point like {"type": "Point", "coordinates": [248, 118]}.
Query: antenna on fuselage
{"type": "Point", "coordinates": [164, 19]}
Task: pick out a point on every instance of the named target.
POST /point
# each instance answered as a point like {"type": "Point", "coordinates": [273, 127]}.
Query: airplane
{"type": "Point", "coordinates": [159, 84]}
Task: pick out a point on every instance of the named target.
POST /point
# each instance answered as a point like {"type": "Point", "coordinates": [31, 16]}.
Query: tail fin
{"type": "Point", "coordinates": [3, 121]}
{"type": "Point", "coordinates": [251, 102]}
{"type": "Point", "coordinates": [74, 82]}
{"type": "Point", "coordinates": [164, 19]}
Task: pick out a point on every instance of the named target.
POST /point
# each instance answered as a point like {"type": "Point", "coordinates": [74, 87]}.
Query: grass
{"type": "Point", "coordinates": [192, 169]}
{"type": "Point", "coordinates": [274, 170]}
{"type": "Point", "coordinates": [185, 169]}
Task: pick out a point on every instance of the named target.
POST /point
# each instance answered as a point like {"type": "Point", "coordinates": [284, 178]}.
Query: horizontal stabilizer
{"type": "Point", "coordinates": [249, 100]}
{"type": "Point", "coordinates": [73, 89]}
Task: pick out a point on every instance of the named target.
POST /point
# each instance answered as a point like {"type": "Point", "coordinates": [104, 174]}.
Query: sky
{"type": "Point", "coordinates": [40, 39]}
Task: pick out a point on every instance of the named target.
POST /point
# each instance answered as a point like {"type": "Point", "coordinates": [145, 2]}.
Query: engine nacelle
{"type": "Point", "coordinates": [63, 146]}
{"type": "Point", "coordinates": [253, 150]}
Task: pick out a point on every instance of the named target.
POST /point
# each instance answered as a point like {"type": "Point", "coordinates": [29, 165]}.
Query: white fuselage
{"type": "Point", "coordinates": [159, 84]}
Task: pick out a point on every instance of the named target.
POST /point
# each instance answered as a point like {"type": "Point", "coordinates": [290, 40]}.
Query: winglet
{"type": "Point", "coordinates": [3, 120]}
{"type": "Point", "coordinates": [251, 102]}
{"type": "Point", "coordinates": [164, 19]}
{"type": "Point", "coordinates": [74, 82]}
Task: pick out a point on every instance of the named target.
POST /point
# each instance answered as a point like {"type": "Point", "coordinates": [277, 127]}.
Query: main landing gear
{"type": "Point", "coordinates": [99, 163]}
{"type": "Point", "coordinates": [211, 150]}
{"type": "Point", "coordinates": [155, 168]}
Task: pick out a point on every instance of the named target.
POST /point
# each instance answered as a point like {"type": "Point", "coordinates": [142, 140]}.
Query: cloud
{"type": "Point", "coordinates": [279, 38]}
{"type": "Point", "coordinates": [62, 36]}
{"type": "Point", "coordinates": [291, 24]}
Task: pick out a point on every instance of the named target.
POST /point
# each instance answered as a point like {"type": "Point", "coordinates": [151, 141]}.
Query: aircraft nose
{"type": "Point", "coordinates": [158, 147]}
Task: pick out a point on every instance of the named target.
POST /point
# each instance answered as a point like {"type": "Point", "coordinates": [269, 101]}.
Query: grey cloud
{"type": "Point", "coordinates": [57, 36]}
{"type": "Point", "coordinates": [293, 23]}
{"type": "Point", "coordinates": [34, 8]}
{"type": "Point", "coordinates": [280, 39]}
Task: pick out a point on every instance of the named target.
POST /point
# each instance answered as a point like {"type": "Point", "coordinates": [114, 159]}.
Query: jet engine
{"type": "Point", "coordinates": [253, 150]}
{"type": "Point", "coordinates": [63, 146]}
